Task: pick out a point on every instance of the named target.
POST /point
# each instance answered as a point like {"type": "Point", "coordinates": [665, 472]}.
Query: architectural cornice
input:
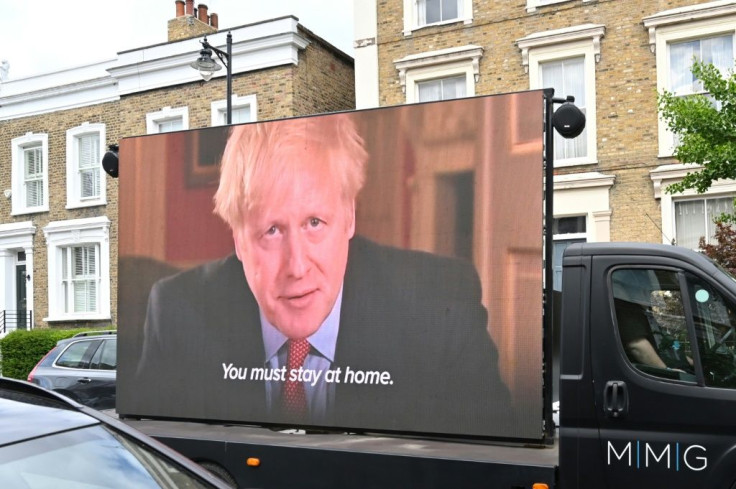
{"type": "Point", "coordinates": [583, 180]}
{"type": "Point", "coordinates": [690, 13]}
{"type": "Point", "coordinates": [440, 57]}
{"type": "Point", "coordinates": [593, 32]}
{"type": "Point", "coordinates": [266, 44]}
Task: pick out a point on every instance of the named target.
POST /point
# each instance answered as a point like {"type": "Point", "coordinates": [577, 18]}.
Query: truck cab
{"type": "Point", "coordinates": [648, 368]}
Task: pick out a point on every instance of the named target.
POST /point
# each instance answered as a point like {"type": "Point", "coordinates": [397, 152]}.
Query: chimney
{"type": "Point", "coordinates": [191, 22]}
{"type": "Point", "coordinates": [202, 13]}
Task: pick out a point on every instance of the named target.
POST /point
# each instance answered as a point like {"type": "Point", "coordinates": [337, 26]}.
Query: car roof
{"type": "Point", "coordinates": [41, 414]}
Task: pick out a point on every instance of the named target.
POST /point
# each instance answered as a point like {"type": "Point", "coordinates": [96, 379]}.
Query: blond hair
{"type": "Point", "coordinates": [259, 156]}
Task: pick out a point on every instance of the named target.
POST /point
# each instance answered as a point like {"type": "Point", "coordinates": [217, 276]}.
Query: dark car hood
{"type": "Point", "coordinates": [46, 420]}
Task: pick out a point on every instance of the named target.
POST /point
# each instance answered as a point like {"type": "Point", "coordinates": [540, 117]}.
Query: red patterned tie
{"type": "Point", "coordinates": [293, 397]}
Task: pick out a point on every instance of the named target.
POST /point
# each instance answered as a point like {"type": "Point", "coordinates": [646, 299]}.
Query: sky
{"type": "Point", "coordinates": [41, 36]}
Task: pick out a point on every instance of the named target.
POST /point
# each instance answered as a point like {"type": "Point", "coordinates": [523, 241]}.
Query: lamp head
{"type": "Point", "coordinates": [205, 64]}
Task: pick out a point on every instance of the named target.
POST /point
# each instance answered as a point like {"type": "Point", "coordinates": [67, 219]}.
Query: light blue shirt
{"type": "Point", "coordinates": [320, 395]}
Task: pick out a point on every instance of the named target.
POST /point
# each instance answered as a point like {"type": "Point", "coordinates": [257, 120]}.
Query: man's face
{"type": "Point", "coordinates": [294, 250]}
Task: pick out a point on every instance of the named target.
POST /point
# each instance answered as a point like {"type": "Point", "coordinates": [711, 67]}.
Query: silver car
{"type": "Point", "coordinates": [82, 367]}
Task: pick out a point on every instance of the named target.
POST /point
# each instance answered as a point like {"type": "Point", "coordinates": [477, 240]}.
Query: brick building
{"type": "Point", "coordinates": [58, 215]}
{"type": "Point", "coordinates": [614, 56]}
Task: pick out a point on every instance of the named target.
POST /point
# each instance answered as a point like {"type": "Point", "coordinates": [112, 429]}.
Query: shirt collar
{"type": "Point", "coordinates": [324, 340]}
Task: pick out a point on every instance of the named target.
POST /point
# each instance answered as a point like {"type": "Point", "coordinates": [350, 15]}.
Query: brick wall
{"type": "Point", "coordinates": [55, 125]}
{"type": "Point", "coordinates": [625, 83]}
{"type": "Point", "coordinates": [323, 81]}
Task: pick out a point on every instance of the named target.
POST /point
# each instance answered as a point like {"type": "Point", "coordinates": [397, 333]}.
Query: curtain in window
{"type": "Point", "coordinates": [33, 176]}
{"type": "Point", "coordinates": [567, 77]}
{"type": "Point", "coordinates": [716, 50]}
{"type": "Point", "coordinates": [239, 114]}
{"type": "Point", "coordinates": [694, 219]}
{"type": "Point", "coordinates": [421, 12]}
{"type": "Point", "coordinates": [432, 11]}
{"type": "Point", "coordinates": [442, 89]}
{"type": "Point", "coordinates": [689, 222]}
{"type": "Point", "coordinates": [714, 208]}
{"type": "Point", "coordinates": [89, 165]}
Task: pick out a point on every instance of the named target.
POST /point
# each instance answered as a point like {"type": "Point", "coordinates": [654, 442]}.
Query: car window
{"type": "Point", "coordinates": [106, 356]}
{"type": "Point", "coordinates": [78, 354]}
{"type": "Point", "coordinates": [93, 458]}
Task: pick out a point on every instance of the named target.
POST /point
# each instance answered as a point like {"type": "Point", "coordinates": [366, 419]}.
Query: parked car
{"type": "Point", "coordinates": [82, 367]}
{"type": "Point", "coordinates": [47, 440]}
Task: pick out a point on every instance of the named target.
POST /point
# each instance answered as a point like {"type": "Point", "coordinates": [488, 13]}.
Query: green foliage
{"type": "Point", "coordinates": [706, 130]}
{"type": "Point", "coordinates": [21, 350]}
{"type": "Point", "coordinates": [724, 251]}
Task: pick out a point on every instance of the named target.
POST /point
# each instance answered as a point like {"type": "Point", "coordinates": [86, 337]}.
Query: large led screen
{"type": "Point", "coordinates": [376, 270]}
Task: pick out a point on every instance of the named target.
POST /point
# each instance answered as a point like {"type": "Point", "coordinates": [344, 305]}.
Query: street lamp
{"type": "Point", "coordinates": [207, 67]}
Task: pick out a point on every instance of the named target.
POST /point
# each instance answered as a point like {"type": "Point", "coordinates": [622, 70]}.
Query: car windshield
{"type": "Point", "coordinates": [89, 458]}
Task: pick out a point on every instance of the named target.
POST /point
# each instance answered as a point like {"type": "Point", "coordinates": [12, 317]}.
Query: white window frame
{"type": "Point", "coordinates": [572, 42]}
{"type": "Point", "coordinates": [74, 198]}
{"type": "Point", "coordinates": [18, 145]}
{"type": "Point", "coordinates": [411, 16]}
{"type": "Point", "coordinates": [219, 108]}
{"type": "Point", "coordinates": [153, 119]}
{"type": "Point", "coordinates": [445, 63]}
{"type": "Point", "coordinates": [586, 194]}
{"type": "Point", "coordinates": [533, 5]}
{"type": "Point", "coordinates": [63, 234]}
{"type": "Point", "coordinates": [687, 23]}
{"type": "Point", "coordinates": [664, 176]}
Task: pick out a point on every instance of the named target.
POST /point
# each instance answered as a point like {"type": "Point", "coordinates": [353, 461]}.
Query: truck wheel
{"type": "Point", "coordinates": [220, 472]}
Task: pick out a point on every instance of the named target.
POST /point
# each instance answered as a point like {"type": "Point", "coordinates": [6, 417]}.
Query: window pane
{"type": "Point", "coordinates": [90, 182]}
{"type": "Point", "coordinates": [689, 222]}
{"type": "Point", "coordinates": [89, 150]}
{"type": "Point", "coordinates": [240, 114]}
{"type": "Point", "coordinates": [170, 125]}
{"type": "Point", "coordinates": [715, 330]}
{"type": "Point", "coordinates": [716, 50]}
{"type": "Point", "coordinates": [694, 219]}
{"type": "Point", "coordinates": [81, 289]}
{"type": "Point", "coordinates": [567, 77]}
{"type": "Point", "coordinates": [569, 225]}
{"type": "Point", "coordinates": [650, 317]}
{"type": "Point", "coordinates": [33, 176]}
{"type": "Point", "coordinates": [431, 11]}
{"type": "Point", "coordinates": [441, 89]}
{"type": "Point", "coordinates": [34, 193]}
{"type": "Point", "coordinates": [73, 356]}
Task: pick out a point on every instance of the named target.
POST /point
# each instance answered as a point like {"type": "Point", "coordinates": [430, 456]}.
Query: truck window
{"type": "Point", "coordinates": [652, 324]}
{"type": "Point", "coordinates": [651, 321]}
{"type": "Point", "coordinates": [715, 323]}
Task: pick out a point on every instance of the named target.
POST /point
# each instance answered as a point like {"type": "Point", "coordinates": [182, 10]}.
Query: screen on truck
{"type": "Point", "coordinates": [376, 270]}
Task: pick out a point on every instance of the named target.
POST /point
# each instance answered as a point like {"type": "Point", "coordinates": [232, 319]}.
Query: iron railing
{"type": "Point", "coordinates": [12, 320]}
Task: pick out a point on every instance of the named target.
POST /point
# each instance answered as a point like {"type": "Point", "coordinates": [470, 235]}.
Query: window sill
{"type": "Point", "coordinates": [574, 162]}
{"type": "Point", "coordinates": [437, 24]}
{"type": "Point", "coordinates": [89, 203]}
{"type": "Point", "coordinates": [30, 210]}
{"type": "Point", "coordinates": [77, 317]}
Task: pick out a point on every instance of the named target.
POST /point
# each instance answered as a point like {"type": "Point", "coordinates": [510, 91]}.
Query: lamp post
{"type": "Point", "coordinates": [207, 67]}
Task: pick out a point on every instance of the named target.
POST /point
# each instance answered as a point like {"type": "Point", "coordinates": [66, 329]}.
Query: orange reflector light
{"type": "Point", "coordinates": [255, 462]}
{"type": "Point", "coordinates": [540, 485]}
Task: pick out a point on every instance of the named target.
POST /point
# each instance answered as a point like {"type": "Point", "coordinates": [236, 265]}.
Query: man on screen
{"type": "Point", "coordinates": [308, 323]}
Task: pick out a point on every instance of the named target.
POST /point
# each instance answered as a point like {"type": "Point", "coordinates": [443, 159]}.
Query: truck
{"type": "Point", "coordinates": [634, 341]}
